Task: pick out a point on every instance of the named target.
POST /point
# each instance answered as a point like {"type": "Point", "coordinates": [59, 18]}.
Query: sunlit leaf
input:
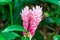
{"type": "Point", "coordinates": [2, 37]}
{"type": "Point", "coordinates": [14, 28]}
{"type": "Point", "coordinates": [10, 35]}
{"type": "Point", "coordinates": [57, 2]}
{"type": "Point", "coordinates": [3, 2]}
{"type": "Point", "coordinates": [56, 37]}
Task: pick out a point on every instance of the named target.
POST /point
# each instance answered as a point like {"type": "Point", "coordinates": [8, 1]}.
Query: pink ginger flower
{"type": "Point", "coordinates": [31, 19]}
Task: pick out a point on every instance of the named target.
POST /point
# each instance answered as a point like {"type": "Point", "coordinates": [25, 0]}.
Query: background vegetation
{"type": "Point", "coordinates": [11, 23]}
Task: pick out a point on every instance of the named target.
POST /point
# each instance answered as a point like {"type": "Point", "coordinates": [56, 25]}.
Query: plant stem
{"type": "Point", "coordinates": [11, 14]}
{"type": "Point", "coordinates": [50, 28]}
{"type": "Point", "coordinates": [49, 37]}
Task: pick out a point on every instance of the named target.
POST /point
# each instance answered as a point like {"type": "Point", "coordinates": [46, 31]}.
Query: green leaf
{"type": "Point", "coordinates": [57, 2]}
{"type": "Point", "coordinates": [56, 37]}
{"type": "Point", "coordinates": [50, 36]}
{"type": "Point", "coordinates": [10, 35]}
{"type": "Point", "coordinates": [25, 38]}
{"type": "Point", "coordinates": [49, 20]}
{"type": "Point", "coordinates": [2, 37]}
{"type": "Point", "coordinates": [58, 21]}
{"type": "Point", "coordinates": [33, 1]}
{"type": "Point", "coordinates": [14, 28]}
{"type": "Point", "coordinates": [16, 1]}
{"type": "Point", "coordinates": [17, 10]}
{"type": "Point", "coordinates": [47, 14]}
{"type": "Point", "coordinates": [3, 2]}
{"type": "Point", "coordinates": [2, 9]}
{"type": "Point", "coordinates": [38, 36]}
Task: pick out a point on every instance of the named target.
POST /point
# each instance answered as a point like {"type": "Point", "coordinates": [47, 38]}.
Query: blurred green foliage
{"type": "Point", "coordinates": [57, 37]}
{"type": "Point", "coordinates": [11, 23]}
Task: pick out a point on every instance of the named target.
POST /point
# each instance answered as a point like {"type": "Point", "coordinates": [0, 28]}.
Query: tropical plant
{"type": "Point", "coordinates": [11, 19]}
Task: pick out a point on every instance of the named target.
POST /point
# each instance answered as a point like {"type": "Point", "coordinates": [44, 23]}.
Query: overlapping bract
{"type": "Point", "coordinates": [31, 18]}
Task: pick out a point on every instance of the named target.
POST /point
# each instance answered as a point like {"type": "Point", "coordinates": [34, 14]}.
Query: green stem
{"type": "Point", "coordinates": [11, 14]}
{"type": "Point", "coordinates": [50, 36]}
{"type": "Point", "coordinates": [50, 28]}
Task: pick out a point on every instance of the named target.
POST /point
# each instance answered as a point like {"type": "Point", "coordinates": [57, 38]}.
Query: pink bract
{"type": "Point", "coordinates": [31, 18]}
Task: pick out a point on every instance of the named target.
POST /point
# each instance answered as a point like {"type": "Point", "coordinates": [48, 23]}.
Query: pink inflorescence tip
{"type": "Point", "coordinates": [31, 19]}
